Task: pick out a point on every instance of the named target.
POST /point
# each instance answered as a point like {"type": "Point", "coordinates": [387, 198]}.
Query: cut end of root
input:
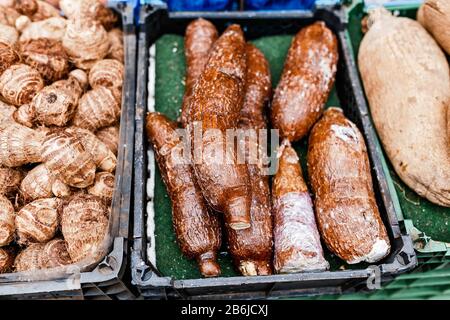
{"type": "Point", "coordinates": [237, 213]}
{"type": "Point", "coordinates": [209, 268]}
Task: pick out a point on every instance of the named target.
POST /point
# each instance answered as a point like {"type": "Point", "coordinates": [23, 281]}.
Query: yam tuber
{"type": "Point", "coordinates": [102, 156]}
{"type": "Point", "coordinates": [89, 9]}
{"type": "Point", "coordinates": [6, 260]}
{"type": "Point", "coordinates": [10, 180]}
{"type": "Point", "coordinates": [40, 183]}
{"type": "Point", "coordinates": [346, 209]}
{"type": "Point", "coordinates": [8, 56]}
{"type": "Point", "coordinates": [65, 156]}
{"type": "Point", "coordinates": [411, 126]}
{"type": "Point", "coordinates": [116, 50]}
{"type": "Point", "coordinates": [215, 105]}
{"type": "Point", "coordinates": [19, 145]}
{"type": "Point", "coordinates": [106, 73]}
{"type": "Point", "coordinates": [85, 41]}
{"type": "Point", "coordinates": [54, 255]}
{"type": "Point", "coordinates": [307, 79]}
{"type": "Point", "coordinates": [110, 137]}
{"type": "Point", "coordinates": [7, 224]}
{"type": "Point", "coordinates": [46, 56]}
{"type": "Point", "coordinates": [30, 258]}
{"type": "Point", "coordinates": [103, 186]}
{"type": "Point", "coordinates": [197, 229]}
{"type": "Point", "coordinates": [19, 84]}
{"type": "Point", "coordinates": [52, 28]}
{"type": "Point", "coordinates": [8, 35]}
{"type": "Point", "coordinates": [435, 17]}
{"type": "Point", "coordinates": [98, 108]}
{"type": "Point", "coordinates": [36, 10]}
{"type": "Point", "coordinates": [84, 225]}
{"type": "Point", "coordinates": [38, 221]}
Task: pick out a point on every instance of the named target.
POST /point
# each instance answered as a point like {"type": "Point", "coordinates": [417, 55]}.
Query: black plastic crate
{"type": "Point", "coordinates": [155, 22]}
{"type": "Point", "coordinates": [106, 280]}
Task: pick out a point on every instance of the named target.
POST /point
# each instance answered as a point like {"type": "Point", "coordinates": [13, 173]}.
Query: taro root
{"type": "Point", "coordinates": [106, 73]}
{"type": "Point", "coordinates": [46, 56]}
{"type": "Point", "coordinates": [6, 260]}
{"type": "Point", "coordinates": [38, 221]}
{"type": "Point", "coordinates": [8, 56]}
{"type": "Point", "coordinates": [7, 225]}
{"type": "Point", "coordinates": [10, 180]}
{"type": "Point", "coordinates": [19, 84]}
{"type": "Point", "coordinates": [6, 112]}
{"type": "Point", "coordinates": [84, 225]}
{"type": "Point", "coordinates": [55, 254]}
{"type": "Point", "coordinates": [98, 108]}
{"type": "Point", "coordinates": [110, 137]}
{"type": "Point", "coordinates": [64, 155]}
{"type": "Point", "coordinates": [36, 10]}
{"type": "Point", "coordinates": [30, 258]}
{"type": "Point", "coordinates": [40, 183]}
{"type": "Point", "coordinates": [52, 28]}
{"type": "Point", "coordinates": [8, 16]}
{"type": "Point", "coordinates": [89, 9]}
{"type": "Point", "coordinates": [19, 145]}
{"type": "Point", "coordinates": [116, 50]}
{"type": "Point", "coordinates": [103, 186]}
{"type": "Point", "coordinates": [8, 35]}
{"type": "Point", "coordinates": [85, 41]}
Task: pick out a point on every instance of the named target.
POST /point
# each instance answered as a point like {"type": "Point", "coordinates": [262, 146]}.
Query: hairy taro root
{"type": "Point", "coordinates": [103, 186]}
{"type": "Point", "coordinates": [110, 137]}
{"type": "Point", "coordinates": [19, 145]}
{"type": "Point", "coordinates": [40, 183]}
{"type": "Point", "coordinates": [36, 10]}
{"type": "Point", "coordinates": [38, 221]}
{"type": "Point", "coordinates": [89, 9]}
{"type": "Point", "coordinates": [6, 260]}
{"type": "Point", "coordinates": [8, 56]}
{"type": "Point", "coordinates": [8, 16]}
{"type": "Point", "coordinates": [106, 73]}
{"type": "Point", "coordinates": [85, 41]}
{"type": "Point", "coordinates": [7, 224]}
{"type": "Point", "coordinates": [30, 258]}
{"type": "Point", "coordinates": [19, 84]}
{"type": "Point", "coordinates": [84, 225]}
{"type": "Point", "coordinates": [98, 108]}
{"type": "Point", "coordinates": [10, 180]}
{"type": "Point", "coordinates": [116, 50]}
{"type": "Point", "coordinates": [52, 28]}
{"type": "Point", "coordinates": [46, 56]}
{"type": "Point", "coordinates": [6, 112]}
{"type": "Point", "coordinates": [55, 254]}
{"type": "Point", "coordinates": [64, 155]}
{"type": "Point", "coordinates": [8, 35]}
{"type": "Point", "coordinates": [101, 155]}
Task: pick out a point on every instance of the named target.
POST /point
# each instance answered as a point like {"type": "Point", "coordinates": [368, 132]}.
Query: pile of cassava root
{"type": "Point", "coordinates": [61, 82]}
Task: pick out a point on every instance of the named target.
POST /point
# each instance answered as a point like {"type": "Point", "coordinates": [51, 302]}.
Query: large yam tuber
{"type": "Point", "coordinates": [346, 208]}
{"type": "Point", "coordinates": [52, 28]}
{"type": "Point", "coordinates": [30, 258]}
{"type": "Point", "coordinates": [55, 254]}
{"type": "Point", "coordinates": [196, 227]}
{"type": "Point", "coordinates": [200, 38]}
{"type": "Point", "coordinates": [19, 84]}
{"type": "Point", "coordinates": [89, 9]}
{"type": "Point", "coordinates": [297, 239]}
{"type": "Point", "coordinates": [116, 50]}
{"type": "Point", "coordinates": [101, 154]}
{"type": "Point", "coordinates": [10, 180]}
{"type": "Point", "coordinates": [65, 156]}
{"type": "Point", "coordinates": [98, 108]}
{"type": "Point", "coordinates": [85, 41]}
{"type": "Point", "coordinates": [38, 221]}
{"type": "Point", "coordinates": [46, 56]}
{"type": "Point", "coordinates": [107, 73]}
{"type": "Point", "coordinates": [8, 57]}
{"type": "Point", "coordinates": [251, 249]}
{"type": "Point", "coordinates": [307, 79]}
{"type": "Point", "coordinates": [40, 183]}
{"type": "Point", "coordinates": [408, 94]}
{"type": "Point", "coordinates": [7, 224]}
{"type": "Point", "coordinates": [8, 35]}
{"type": "Point", "coordinates": [435, 17]}
{"type": "Point", "coordinates": [215, 106]}
{"type": "Point", "coordinates": [6, 260]}
{"type": "Point", "coordinates": [103, 186]}
{"type": "Point", "coordinates": [110, 137]}
{"type": "Point", "coordinates": [84, 225]}
{"type": "Point", "coordinates": [19, 145]}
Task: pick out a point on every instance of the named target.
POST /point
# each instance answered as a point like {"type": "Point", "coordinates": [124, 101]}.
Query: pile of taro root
{"type": "Point", "coordinates": [61, 76]}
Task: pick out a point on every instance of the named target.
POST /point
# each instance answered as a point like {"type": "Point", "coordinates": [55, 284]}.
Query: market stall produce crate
{"type": "Point", "coordinates": [427, 224]}
{"type": "Point", "coordinates": [108, 279]}
{"type": "Point", "coordinates": [158, 268]}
